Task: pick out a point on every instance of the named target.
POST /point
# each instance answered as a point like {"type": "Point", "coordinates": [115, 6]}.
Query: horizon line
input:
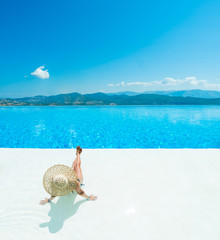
{"type": "Point", "coordinates": [111, 93]}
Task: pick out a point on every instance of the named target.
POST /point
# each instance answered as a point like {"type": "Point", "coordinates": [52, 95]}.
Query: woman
{"type": "Point", "coordinates": [60, 180]}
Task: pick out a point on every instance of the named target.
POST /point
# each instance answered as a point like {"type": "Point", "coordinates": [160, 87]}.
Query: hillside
{"type": "Point", "coordinates": [106, 99]}
{"type": "Point", "coordinates": [197, 93]}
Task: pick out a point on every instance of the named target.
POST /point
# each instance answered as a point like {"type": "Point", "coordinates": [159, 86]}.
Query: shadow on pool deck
{"type": "Point", "coordinates": [64, 208]}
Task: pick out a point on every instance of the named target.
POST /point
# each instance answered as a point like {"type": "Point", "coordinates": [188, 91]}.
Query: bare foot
{"type": "Point", "coordinates": [78, 150]}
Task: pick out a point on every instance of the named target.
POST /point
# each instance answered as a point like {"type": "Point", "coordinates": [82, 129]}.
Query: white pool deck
{"type": "Point", "coordinates": [153, 194]}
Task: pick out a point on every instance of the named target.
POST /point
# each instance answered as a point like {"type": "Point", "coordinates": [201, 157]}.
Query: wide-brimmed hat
{"type": "Point", "coordinates": [59, 180]}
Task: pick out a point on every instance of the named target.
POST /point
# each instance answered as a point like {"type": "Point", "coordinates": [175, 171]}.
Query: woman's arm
{"type": "Point", "coordinates": [46, 200]}
{"type": "Point", "coordinates": [83, 194]}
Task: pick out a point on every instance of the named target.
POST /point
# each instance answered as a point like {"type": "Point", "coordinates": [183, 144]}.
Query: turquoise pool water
{"type": "Point", "coordinates": [110, 127]}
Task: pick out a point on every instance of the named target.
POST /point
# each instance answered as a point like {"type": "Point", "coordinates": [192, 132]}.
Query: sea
{"type": "Point", "coordinates": [110, 127]}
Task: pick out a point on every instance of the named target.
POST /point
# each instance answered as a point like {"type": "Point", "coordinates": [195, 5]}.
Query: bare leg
{"type": "Point", "coordinates": [78, 172]}
{"type": "Point", "coordinates": [77, 165]}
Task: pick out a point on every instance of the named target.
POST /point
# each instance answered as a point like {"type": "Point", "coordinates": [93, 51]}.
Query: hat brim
{"type": "Point", "coordinates": [52, 172]}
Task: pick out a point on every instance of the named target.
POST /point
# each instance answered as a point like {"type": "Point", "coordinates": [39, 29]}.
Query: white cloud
{"type": "Point", "coordinates": [188, 82]}
{"type": "Point", "coordinates": [117, 84]}
{"type": "Point", "coordinates": [43, 74]}
{"type": "Point", "coordinates": [139, 83]}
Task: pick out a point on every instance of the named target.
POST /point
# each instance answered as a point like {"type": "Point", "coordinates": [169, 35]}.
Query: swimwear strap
{"type": "Point", "coordinates": [81, 184]}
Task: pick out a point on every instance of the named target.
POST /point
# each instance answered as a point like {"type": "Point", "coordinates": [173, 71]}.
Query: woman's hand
{"type": "Point", "coordinates": [92, 198]}
{"type": "Point", "coordinates": [43, 202]}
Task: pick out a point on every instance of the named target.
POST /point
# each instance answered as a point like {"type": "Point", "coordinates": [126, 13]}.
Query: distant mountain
{"type": "Point", "coordinates": [197, 93]}
{"type": "Point", "coordinates": [61, 99]}
{"type": "Point", "coordinates": [125, 93]}
{"type": "Point", "coordinates": [106, 99]}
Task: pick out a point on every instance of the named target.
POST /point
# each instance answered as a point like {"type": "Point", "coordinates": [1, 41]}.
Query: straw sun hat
{"type": "Point", "coordinates": [59, 180]}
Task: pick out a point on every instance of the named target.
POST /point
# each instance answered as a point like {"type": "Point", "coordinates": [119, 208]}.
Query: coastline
{"type": "Point", "coordinates": [142, 193]}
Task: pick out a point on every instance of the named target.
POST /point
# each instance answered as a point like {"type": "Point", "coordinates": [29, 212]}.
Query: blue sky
{"type": "Point", "coordinates": [52, 47]}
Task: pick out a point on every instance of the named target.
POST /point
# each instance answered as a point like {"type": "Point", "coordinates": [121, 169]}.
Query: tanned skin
{"type": "Point", "coordinates": [76, 166]}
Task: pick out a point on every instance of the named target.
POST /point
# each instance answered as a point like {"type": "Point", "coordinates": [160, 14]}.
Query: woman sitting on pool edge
{"type": "Point", "coordinates": [60, 180]}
